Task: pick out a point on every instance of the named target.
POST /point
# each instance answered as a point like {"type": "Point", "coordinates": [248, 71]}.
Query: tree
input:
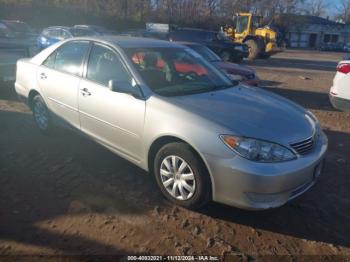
{"type": "Point", "coordinates": [344, 11]}
{"type": "Point", "coordinates": [316, 7]}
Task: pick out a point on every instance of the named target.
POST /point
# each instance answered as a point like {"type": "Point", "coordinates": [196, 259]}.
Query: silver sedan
{"type": "Point", "coordinates": [161, 106]}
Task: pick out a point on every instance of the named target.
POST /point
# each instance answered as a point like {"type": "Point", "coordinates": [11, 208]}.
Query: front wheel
{"type": "Point", "coordinates": [181, 176]}
{"type": "Point", "coordinates": [238, 60]}
{"type": "Point", "coordinates": [254, 49]}
{"type": "Point", "coordinates": [41, 114]}
{"type": "Point", "coordinates": [226, 56]}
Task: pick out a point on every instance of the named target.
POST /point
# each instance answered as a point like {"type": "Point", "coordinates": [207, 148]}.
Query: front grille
{"type": "Point", "coordinates": [303, 147]}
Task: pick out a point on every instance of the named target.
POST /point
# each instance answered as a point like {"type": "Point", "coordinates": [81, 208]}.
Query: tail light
{"type": "Point", "coordinates": [343, 68]}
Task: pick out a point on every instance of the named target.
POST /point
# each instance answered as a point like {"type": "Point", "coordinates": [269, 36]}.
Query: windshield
{"type": "Point", "coordinates": [5, 32]}
{"type": "Point", "coordinates": [19, 27]}
{"type": "Point", "coordinates": [242, 24]}
{"type": "Point", "coordinates": [206, 53]}
{"type": "Point", "coordinates": [176, 71]}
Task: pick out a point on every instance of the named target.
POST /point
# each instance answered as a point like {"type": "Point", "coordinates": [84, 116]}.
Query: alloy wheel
{"type": "Point", "coordinates": [41, 115]}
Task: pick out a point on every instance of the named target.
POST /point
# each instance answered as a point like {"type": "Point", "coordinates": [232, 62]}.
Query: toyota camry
{"type": "Point", "coordinates": [203, 137]}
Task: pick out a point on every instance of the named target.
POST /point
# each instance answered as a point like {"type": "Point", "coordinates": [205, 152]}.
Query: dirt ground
{"type": "Point", "coordinates": [64, 194]}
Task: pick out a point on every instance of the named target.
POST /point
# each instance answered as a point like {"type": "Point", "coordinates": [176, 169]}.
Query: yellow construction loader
{"type": "Point", "coordinates": [263, 41]}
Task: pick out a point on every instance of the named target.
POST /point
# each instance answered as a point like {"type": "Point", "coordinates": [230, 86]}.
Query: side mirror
{"type": "Point", "coordinates": [124, 87]}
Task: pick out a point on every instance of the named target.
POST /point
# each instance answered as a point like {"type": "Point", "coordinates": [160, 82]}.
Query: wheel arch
{"type": "Point", "coordinates": [31, 96]}
{"type": "Point", "coordinates": [166, 139]}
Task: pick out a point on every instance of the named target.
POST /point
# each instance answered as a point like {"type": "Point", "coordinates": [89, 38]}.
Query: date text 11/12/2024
{"type": "Point", "coordinates": [173, 258]}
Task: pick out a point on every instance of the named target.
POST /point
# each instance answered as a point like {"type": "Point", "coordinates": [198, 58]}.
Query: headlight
{"type": "Point", "coordinates": [258, 150]}
{"type": "Point", "coordinates": [239, 48]}
{"type": "Point", "coordinates": [43, 40]}
{"type": "Point", "coordinates": [234, 77]}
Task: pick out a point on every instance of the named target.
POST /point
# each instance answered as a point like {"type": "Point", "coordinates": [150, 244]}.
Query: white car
{"type": "Point", "coordinates": [340, 92]}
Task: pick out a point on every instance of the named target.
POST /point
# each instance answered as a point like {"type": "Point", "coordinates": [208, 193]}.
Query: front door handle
{"type": "Point", "coordinates": [43, 76]}
{"type": "Point", "coordinates": [85, 92]}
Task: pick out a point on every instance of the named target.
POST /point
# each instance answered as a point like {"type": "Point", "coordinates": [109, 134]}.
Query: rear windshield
{"type": "Point", "coordinates": [78, 32]}
{"type": "Point", "coordinates": [5, 32]}
{"type": "Point", "coordinates": [206, 53]}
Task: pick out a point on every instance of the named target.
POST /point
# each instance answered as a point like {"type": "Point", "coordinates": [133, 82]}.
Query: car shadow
{"type": "Point", "coordinates": [292, 63]}
{"type": "Point", "coordinates": [7, 91]}
{"type": "Point", "coordinates": [269, 83]}
{"type": "Point", "coordinates": [44, 178]}
{"type": "Point", "coordinates": [307, 99]}
{"type": "Point", "coordinates": [321, 214]}
{"type": "Point", "coordinates": [47, 177]}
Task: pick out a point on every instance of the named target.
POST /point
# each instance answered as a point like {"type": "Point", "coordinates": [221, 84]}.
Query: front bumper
{"type": "Point", "coordinates": [340, 103]}
{"type": "Point", "coordinates": [250, 185]}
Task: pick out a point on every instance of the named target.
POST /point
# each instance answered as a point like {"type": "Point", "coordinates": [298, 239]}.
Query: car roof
{"type": "Point", "coordinates": [57, 27]}
{"type": "Point", "coordinates": [89, 26]}
{"type": "Point", "coordinates": [11, 21]}
{"type": "Point", "coordinates": [189, 43]}
{"type": "Point", "coordinates": [194, 30]}
{"type": "Point", "coordinates": [132, 42]}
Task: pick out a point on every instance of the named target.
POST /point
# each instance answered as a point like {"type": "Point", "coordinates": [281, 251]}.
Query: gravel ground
{"type": "Point", "coordinates": [64, 194]}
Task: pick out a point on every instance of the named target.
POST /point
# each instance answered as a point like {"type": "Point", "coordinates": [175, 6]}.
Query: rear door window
{"type": "Point", "coordinates": [68, 58]}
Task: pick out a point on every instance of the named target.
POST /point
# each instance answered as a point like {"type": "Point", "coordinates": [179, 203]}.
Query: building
{"type": "Point", "coordinates": [305, 31]}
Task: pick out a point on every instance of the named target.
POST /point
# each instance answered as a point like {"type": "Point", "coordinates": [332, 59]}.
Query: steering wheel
{"type": "Point", "coordinates": [190, 75]}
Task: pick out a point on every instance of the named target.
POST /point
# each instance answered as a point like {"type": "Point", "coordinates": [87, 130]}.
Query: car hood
{"type": "Point", "coordinates": [234, 68]}
{"type": "Point", "coordinates": [251, 112]}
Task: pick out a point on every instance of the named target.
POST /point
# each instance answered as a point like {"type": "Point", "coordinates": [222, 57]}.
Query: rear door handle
{"type": "Point", "coordinates": [43, 76]}
{"type": "Point", "coordinates": [85, 92]}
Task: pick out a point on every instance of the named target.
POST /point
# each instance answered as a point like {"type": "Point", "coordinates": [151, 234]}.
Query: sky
{"type": "Point", "coordinates": [332, 6]}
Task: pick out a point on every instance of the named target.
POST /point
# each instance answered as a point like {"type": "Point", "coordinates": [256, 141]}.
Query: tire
{"type": "Point", "coordinates": [254, 49]}
{"type": "Point", "coordinates": [238, 60]}
{"type": "Point", "coordinates": [197, 191]}
{"type": "Point", "coordinates": [226, 55]}
{"type": "Point", "coordinates": [41, 115]}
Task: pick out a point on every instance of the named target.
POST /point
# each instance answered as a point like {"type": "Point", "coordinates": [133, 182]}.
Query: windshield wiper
{"type": "Point", "coordinates": [220, 87]}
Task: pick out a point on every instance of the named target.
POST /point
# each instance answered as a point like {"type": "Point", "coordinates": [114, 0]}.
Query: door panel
{"type": "Point", "coordinates": [61, 94]}
{"type": "Point", "coordinates": [59, 78]}
{"type": "Point", "coordinates": [115, 119]}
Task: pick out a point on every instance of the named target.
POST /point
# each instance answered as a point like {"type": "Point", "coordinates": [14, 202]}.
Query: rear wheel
{"type": "Point", "coordinates": [181, 176]}
{"type": "Point", "coordinates": [41, 114]}
{"type": "Point", "coordinates": [254, 49]}
{"type": "Point", "coordinates": [226, 55]}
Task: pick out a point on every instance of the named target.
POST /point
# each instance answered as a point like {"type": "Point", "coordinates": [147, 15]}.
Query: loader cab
{"type": "Point", "coordinates": [246, 24]}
